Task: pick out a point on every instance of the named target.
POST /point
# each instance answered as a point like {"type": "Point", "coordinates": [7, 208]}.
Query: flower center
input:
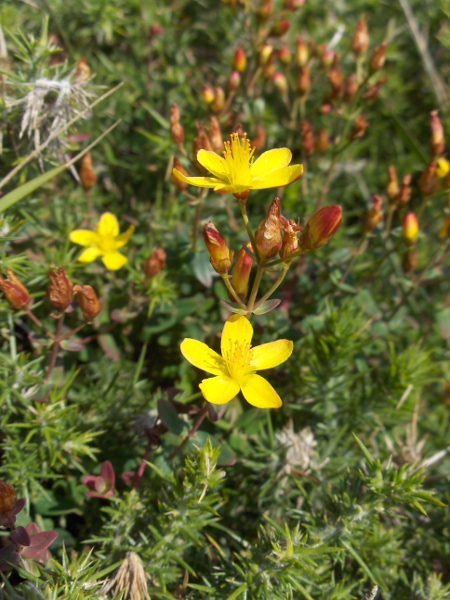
{"type": "Point", "coordinates": [238, 358]}
{"type": "Point", "coordinates": [106, 243]}
{"type": "Point", "coordinates": [239, 158]}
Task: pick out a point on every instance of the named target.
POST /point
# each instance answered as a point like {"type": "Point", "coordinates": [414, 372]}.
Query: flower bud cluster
{"type": "Point", "coordinates": [60, 293]}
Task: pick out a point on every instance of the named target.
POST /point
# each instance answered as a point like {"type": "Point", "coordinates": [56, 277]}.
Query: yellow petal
{"type": "Point", "coordinates": [108, 225]}
{"type": "Point", "coordinates": [207, 182]}
{"type": "Point", "coordinates": [203, 357]}
{"type": "Point", "coordinates": [123, 238]}
{"type": "Point", "coordinates": [114, 261]}
{"type": "Point", "coordinates": [219, 390]}
{"type": "Point", "coordinates": [83, 237]}
{"type": "Point", "coordinates": [269, 161]}
{"type": "Point", "coordinates": [270, 355]}
{"type": "Point", "coordinates": [258, 392]}
{"type": "Point", "coordinates": [213, 163]}
{"type": "Point", "coordinates": [89, 255]}
{"type": "Point", "coordinates": [278, 178]}
{"type": "Point", "coordinates": [236, 329]}
{"type": "Point", "coordinates": [443, 167]}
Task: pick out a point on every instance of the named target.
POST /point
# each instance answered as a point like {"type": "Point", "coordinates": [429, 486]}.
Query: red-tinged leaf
{"type": "Point", "coordinates": [21, 536]}
{"type": "Point", "coordinates": [109, 346]}
{"type": "Point", "coordinates": [72, 345]}
{"type": "Point", "coordinates": [234, 307]}
{"type": "Point", "coordinates": [266, 307]}
{"type": "Point", "coordinates": [39, 544]}
{"type": "Point", "coordinates": [108, 474]}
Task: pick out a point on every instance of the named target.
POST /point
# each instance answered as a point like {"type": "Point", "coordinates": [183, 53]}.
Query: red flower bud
{"type": "Point", "coordinates": [304, 82]}
{"type": "Point", "coordinates": [155, 263]}
{"type": "Point", "coordinates": [240, 60]}
{"type": "Point", "coordinates": [265, 54]}
{"type": "Point", "coordinates": [284, 56]}
{"type": "Point", "coordinates": [87, 175]}
{"type": "Point", "coordinates": [360, 41]}
{"type": "Point", "coordinates": [201, 142]}
{"type": "Point", "coordinates": [410, 231]}
{"type": "Point", "coordinates": [208, 94]}
{"type": "Point", "coordinates": [392, 189]}
{"type": "Point", "coordinates": [215, 135]}
{"type": "Point", "coordinates": [221, 256]}
{"type": "Point", "coordinates": [290, 238]}
{"type": "Point", "coordinates": [321, 227]}
{"type": "Point", "coordinates": [280, 82]}
{"type": "Point", "coordinates": [241, 272]}
{"type": "Point", "coordinates": [359, 128]}
{"type": "Point", "coordinates": [302, 52]}
{"type": "Point", "coordinates": [219, 100]}
{"type": "Point", "coordinates": [378, 58]}
{"type": "Point", "coordinates": [15, 292]}
{"type": "Point", "coordinates": [88, 301]}
{"type": "Point", "coordinates": [437, 134]}
{"type": "Point", "coordinates": [280, 28]}
{"type": "Point", "coordinates": [180, 185]}
{"type": "Point", "coordinates": [375, 215]}
{"type": "Point", "coordinates": [60, 290]}
{"type": "Point", "coordinates": [176, 129]}
{"type": "Point", "coordinates": [235, 81]}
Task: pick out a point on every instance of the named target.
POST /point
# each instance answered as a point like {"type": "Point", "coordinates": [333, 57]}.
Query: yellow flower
{"type": "Point", "coordinates": [237, 174]}
{"type": "Point", "coordinates": [104, 242]}
{"type": "Point", "coordinates": [235, 370]}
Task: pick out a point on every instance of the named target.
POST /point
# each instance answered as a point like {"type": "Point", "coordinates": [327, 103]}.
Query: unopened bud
{"type": "Point", "coordinates": [219, 100]}
{"type": "Point", "coordinates": [87, 175]}
{"type": "Point", "coordinates": [360, 41]}
{"type": "Point", "coordinates": [437, 134]}
{"type": "Point", "coordinates": [15, 292]}
{"type": "Point", "coordinates": [268, 235]}
{"type": "Point", "coordinates": [285, 56]}
{"type": "Point", "coordinates": [409, 260]}
{"type": "Point", "coordinates": [378, 58]}
{"type": "Point", "coordinates": [326, 56]}
{"type": "Point", "coordinates": [336, 76]}
{"type": "Point", "coordinates": [410, 232]}
{"type": "Point", "coordinates": [180, 185]}
{"type": "Point", "coordinates": [428, 181]}
{"type": "Point", "coordinates": [83, 71]}
{"type": "Point", "coordinates": [322, 141]}
{"type": "Point", "coordinates": [235, 81]}
{"type": "Point", "coordinates": [208, 94]}
{"type": "Point", "coordinates": [290, 238]}
{"type": "Point", "coordinates": [321, 227]}
{"type": "Point", "coordinates": [241, 272]}
{"type": "Point", "coordinates": [359, 128]}
{"type": "Point", "coordinates": [443, 168]}
{"type": "Point", "coordinates": [392, 189]}
{"type": "Point", "coordinates": [88, 301]}
{"type": "Point", "coordinates": [240, 60]}
{"type": "Point", "coordinates": [375, 215]}
{"type": "Point", "coordinates": [351, 87]}
{"type": "Point", "coordinates": [304, 82]}
{"type": "Point", "coordinates": [302, 52]}
{"type": "Point", "coordinates": [265, 10]}
{"type": "Point", "coordinates": [176, 129]}
{"type": "Point", "coordinates": [156, 263]}
{"type": "Point", "coordinates": [201, 142]}
{"type": "Point", "coordinates": [405, 191]}
{"type": "Point", "coordinates": [60, 290]}
{"type": "Point", "coordinates": [7, 497]}
{"type": "Point", "coordinates": [221, 255]}
{"type": "Point", "coordinates": [215, 135]}
{"type": "Point", "coordinates": [280, 82]}
{"type": "Point", "coordinates": [280, 28]}
{"type": "Point", "coordinates": [307, 138]}
{"type": "Point", "coordinates": [265, 54]}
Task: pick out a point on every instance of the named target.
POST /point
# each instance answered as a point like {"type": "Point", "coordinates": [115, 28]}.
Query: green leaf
{"type": "Point", "coordinates": [27, 188]}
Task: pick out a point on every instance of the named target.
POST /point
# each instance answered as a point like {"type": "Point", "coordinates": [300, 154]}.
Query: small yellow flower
{"type": "Point", "coordinates": [104, 242]}
{"type": "Point", "coordinates": [237, 174]}
{"type": "Point", "coordinates": [235, 370]}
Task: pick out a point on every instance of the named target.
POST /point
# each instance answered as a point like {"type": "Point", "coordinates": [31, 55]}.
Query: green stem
{"type": "Point", "coordinates": [254, 292]}
{"type": "Point", "coordinates": [200, 418]}
{"type": "Point", "coordinates": [243, 207]}
{"type": "Point", "coordinates": [230, 288]}
{"type": "Point", "coordinates": [55, 348]}
{"type": "Point", "coordinates": [274, 287]}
